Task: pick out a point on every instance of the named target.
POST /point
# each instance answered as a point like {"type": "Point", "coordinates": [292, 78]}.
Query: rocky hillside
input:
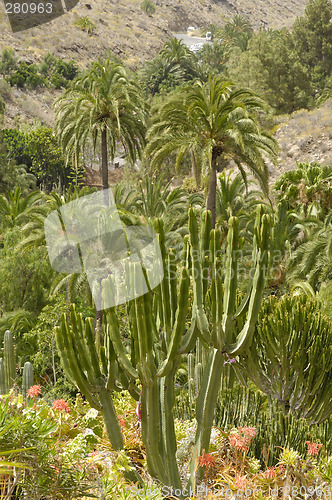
{"type": "Point", "coordinates": [122, 28]}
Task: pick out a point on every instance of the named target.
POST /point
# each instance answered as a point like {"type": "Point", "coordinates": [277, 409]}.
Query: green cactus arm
{"type": "Point", "coordinates": [77, 325]}
{"type": "Point", "coordinates": [164, 285]}
{"type": "Point", "coordinates": [114, 332]}
{"type": "Point", "coordinates": [111, 420]}
{"type": "Point", "coordinates": [27, 379]}
{"type": "Point", "coordinates": [179, 325]}
{"type": "Point", "coordinates": [2, 378]}
{"type": "Point", "coordinates": [71, 364]}
{"type": "Point", "coordinates": [202, 321]}
{"type": "Point", "coordinates": [230, 283]}
{"type": "Point", "coordinates": [169, 437]}
{"type": "Point", "coordinates": [245, 337]}
{"type": "Point", "coordinates": [9, 360]}
{"type": "Point", "coordinates": [172, 273]}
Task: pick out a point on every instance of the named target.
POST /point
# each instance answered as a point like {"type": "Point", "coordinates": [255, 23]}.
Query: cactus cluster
{"type": "Point", "coordinates": [242, 406]}
{"type": "Point", "coordinates": [291, 356]}
{"type": "Point", "coordinates": [165, 327]}
{"type": "Point", "coordinates": [8, 368]}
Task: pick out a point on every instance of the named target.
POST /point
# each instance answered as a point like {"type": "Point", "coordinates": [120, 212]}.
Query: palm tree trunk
{"type": "Point", "coordinates": [211, 199]}
{"type": "Point", "coordinates": [104, 159]}
{"type": "Point", "coordinates": [194, 168]}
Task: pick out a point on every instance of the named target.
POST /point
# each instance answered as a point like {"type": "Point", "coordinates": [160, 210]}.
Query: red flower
{"type": "Point", "coordinates": [249, 432]}
{"type": "Point", "coordinates": [237, 442]}
{"type": "Point", "coordinates": [270, 473]}
{"type": "Point", "coordinates": [60, 404]}
{"type": "Point", "coordinates": [122, 422]}
{"type": "Point", "coordinates": [240, 483]}
{"type": "Point", "coordinates": [33, 391]}
{"type": "Point", "coordinates": [313, 448]}
{"type": "Point", "coordinates": [206, 460]}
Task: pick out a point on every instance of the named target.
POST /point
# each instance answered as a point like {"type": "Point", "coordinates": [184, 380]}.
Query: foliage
{"type": "Point", "coordinates": [13, 175]}
{"type": "Point", "coordinates": [299, 378]}
{"type": "Point", "coordinates": [220, 122]}
{"type": "Point", "coordinates": [57, 71]}
{"type": "Point", "coordinates": [312, 35]}
{"type": "Point", "coordinates": [39, 150]}
{"type": "Point", "coordinates": [307, 189]}
{"type": "Point", "coordinates": [8, 61]}
{"type": "Point", "coordinates": [173, 65]}
{"type": "Point", "coordinates": [25, 280]}
{"type": "Point", "coordinates": [85, 24]}
{"type": "Point", "coordinates": [312, 259]}
{"type": "Point", "coordinates": [118, 114]}
{"type": "Point", "coordinates": [27, 75]}
{"type": "Point", "coordinates": [148, 7]}
{"type": "Point", "coordinates": [271, 67]}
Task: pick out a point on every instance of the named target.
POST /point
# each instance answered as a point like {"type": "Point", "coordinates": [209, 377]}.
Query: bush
{"type": "Point", "coordinates": [85, 24]}
{"type": "Point", "coordinates": [148, 7]}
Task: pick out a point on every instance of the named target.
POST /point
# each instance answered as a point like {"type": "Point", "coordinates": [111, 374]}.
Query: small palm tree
{"type": "Point", "coordinates": [219, 121]}
{"type": "Point", "coordinates": [312, 260]}
{"type": "Point", "coordinates": [103, 103]}
{"type": "Point", "coordinates": [85, 24]}
{"type": "Point", "coordinates": [16, 210]}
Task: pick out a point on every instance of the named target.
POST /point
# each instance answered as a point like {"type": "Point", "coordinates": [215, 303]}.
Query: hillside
{"type": "Point", "coordinates": [123, 29]}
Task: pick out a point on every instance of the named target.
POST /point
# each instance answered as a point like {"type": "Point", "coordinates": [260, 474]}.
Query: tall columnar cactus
{"type": "Point", "coordinates": [2, 377]}
{"type": "Point", "coordinates": [9, 361]}
{"type": "Point", "coordinates": [96, 373]}
{"type": "Point", "coordinates": [8, 368]}
{"type": "Point", "coordinates": [158, 340]}
{"type": "Point", "coordinates": [291, 356]}
{"type": "Point", "coordinates": [27, 379]}
{"type": "Point", "coordinates": [223, 328]}
{"type": "Point", "coordinates": [164, 326]}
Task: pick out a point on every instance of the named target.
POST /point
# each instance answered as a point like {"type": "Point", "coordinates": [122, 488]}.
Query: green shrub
{"type": "Point", "coordinates": [148, 7]}
{"type": "Point", "coordinates": [85, 24]}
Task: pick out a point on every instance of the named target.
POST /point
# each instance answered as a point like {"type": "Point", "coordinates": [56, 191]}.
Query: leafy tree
{"type": "Point", "coordinates": [212, 58]}
{"type": "Point", "coordinates": [8, 62]}
{"type": "Point", "coordinates": [27, 74]}
{"type": "Point", "coordinates": [272, 68]}
{"type": "Point", "coordinates": [25, 279]}
{"type": "Point", "coordinates": [58, 72]}
{"type": "Point", "coordinates": [39, 150]}
{"type": "Point", "coordinates": [103, 103]}
{"type": "Point", "coordinates": [307, 189]}
{"type": "Point", "coordinates": [312, 34]}
{"type": "Point", "coordinates": [220, 121]}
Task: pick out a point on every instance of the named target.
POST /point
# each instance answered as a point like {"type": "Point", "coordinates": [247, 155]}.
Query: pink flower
{"type": "Point", "coordinates": [237, 442]}
{"type": "Point", "coordinates": [270, 473]}
{"type": "Point", "coordinates": [240, 483]}
{"type": "Point", "coordinates": [313, 448]}
{"type": "Point", "coordinates": [249, 432]}
{"type": "Point", "coordinates": [206, 460]}
{"type": "Point", "coordinates": [60, 404]}
{"type": "Point", "coordinates": [33, 391]}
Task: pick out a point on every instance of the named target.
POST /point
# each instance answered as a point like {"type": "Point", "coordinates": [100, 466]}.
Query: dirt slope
{"type": "Point", "coordinates": [125, 30]}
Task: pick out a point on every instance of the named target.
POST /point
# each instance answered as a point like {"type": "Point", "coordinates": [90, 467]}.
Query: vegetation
{"type": "Point", "coordinates": [219, 376]}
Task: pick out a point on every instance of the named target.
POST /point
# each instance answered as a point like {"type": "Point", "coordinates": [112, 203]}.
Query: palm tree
{"type": "Point", "coordinates": [16, 210]}
{"type": "Point", "coordinates": [312, 260]}
{"type": "Point", "coordinates": [219, 121]}
{"type": "Point", "coordinates": [103, 103]}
